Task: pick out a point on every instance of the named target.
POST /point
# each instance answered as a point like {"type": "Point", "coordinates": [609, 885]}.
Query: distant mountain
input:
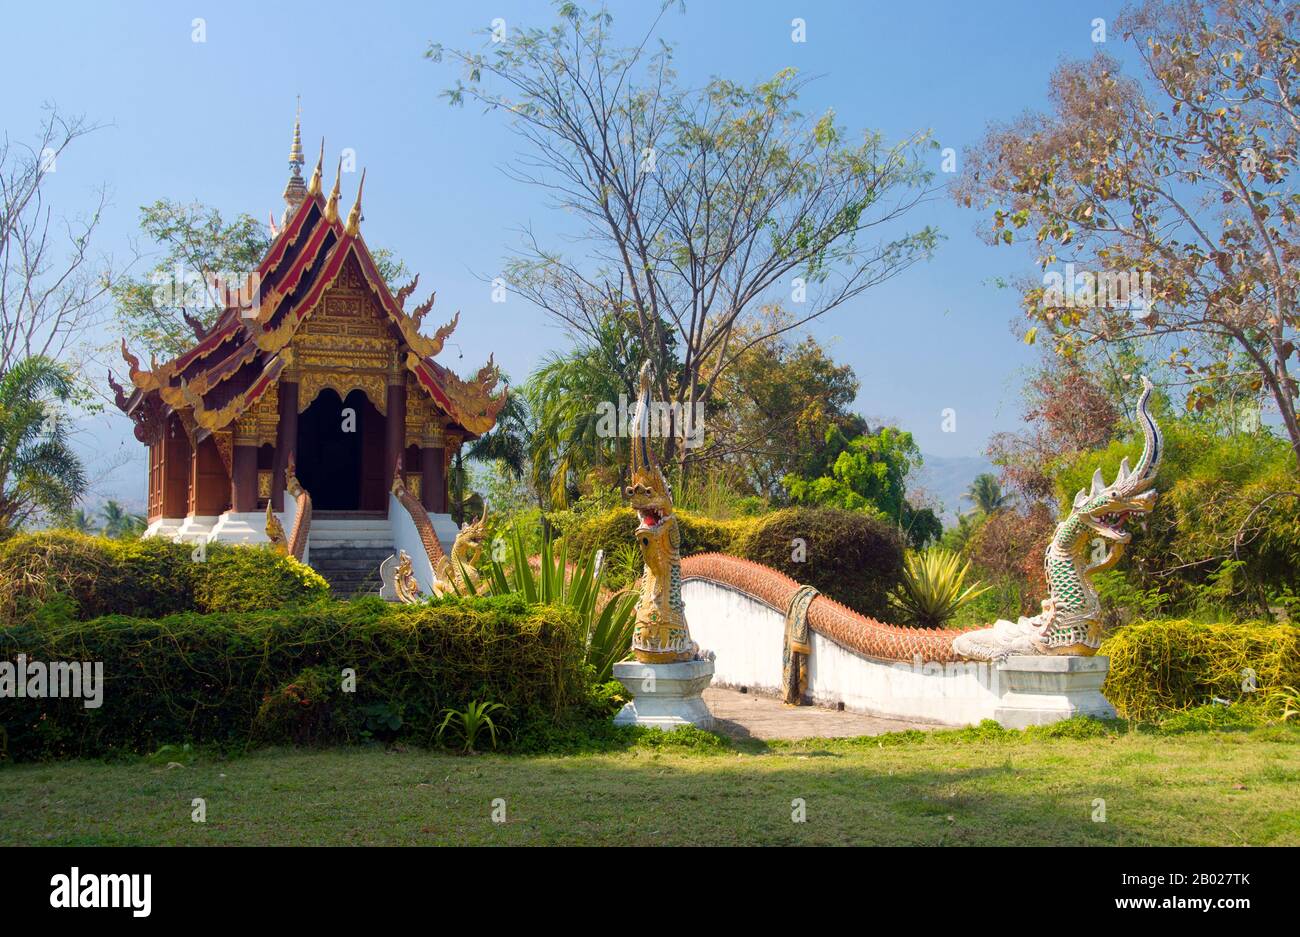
{"type": "Point", "coordinates": [946, 479]}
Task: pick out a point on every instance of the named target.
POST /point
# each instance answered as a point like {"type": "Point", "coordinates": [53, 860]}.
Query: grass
{"type": "Point", "coordinates": [979, 786]}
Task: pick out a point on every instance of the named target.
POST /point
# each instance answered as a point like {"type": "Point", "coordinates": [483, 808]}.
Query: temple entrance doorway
{"type": "Point", "coordinates": [341, 452]}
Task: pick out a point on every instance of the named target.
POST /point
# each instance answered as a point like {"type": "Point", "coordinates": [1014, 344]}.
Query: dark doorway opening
{"type": "Point", "coordinates": [337, 454]}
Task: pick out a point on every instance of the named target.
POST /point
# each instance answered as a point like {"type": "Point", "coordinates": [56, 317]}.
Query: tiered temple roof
{"type": "Point", "coordinates": [243, 353]}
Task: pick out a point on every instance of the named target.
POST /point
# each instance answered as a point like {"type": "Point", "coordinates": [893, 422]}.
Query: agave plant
{"type": "Point", "coordinates": [605, 621]}
{"type": "Point", "coordinates": [469, 723]}
{"type": "Point", "coordinates": [933, 588]}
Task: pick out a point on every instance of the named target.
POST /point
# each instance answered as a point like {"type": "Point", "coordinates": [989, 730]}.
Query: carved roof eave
{"type": "Point", "coordinates": [472, 407]}
{"type": "Point", "coordinates": [210, 420]}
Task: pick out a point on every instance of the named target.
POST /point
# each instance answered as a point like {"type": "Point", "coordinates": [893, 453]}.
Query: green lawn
{"type": "Point", "coordinates": [1222, 788]}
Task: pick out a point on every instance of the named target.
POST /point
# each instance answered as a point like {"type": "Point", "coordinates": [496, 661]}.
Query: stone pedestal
{"type": "Point", "coordinates": [665, 696]}
{"type": "Point", "coordinates": [1037, 691]}
{"type": "Point", "coordinates": [240, 527]}
{"type": "Point", "coordinates": [195, 527]}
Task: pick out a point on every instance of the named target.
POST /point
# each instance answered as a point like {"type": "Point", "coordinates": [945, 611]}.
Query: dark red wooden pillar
{"type": "Point", "coordinates": [286, 439]}
{"type": "Point", "coordinates": [394, 425]}
{"type": "Point", "coordinates": [433, 468]}
{"type": "Point", "coordinates": [243, 477]}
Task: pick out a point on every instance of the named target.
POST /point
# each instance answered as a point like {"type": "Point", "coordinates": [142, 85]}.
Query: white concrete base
{"type": "Point", "coordinates": [748, 635]}
{"type": "Point", "coordinates": [165, 527]}
{"type": "Point", "coordinates": [1038, 691]}
{"type": "Point", "coordinates": [665, 696]}
{"type": "Point", "coordinates": [195, 528]}
{"type": "Point", "coordinates": [232, 527]}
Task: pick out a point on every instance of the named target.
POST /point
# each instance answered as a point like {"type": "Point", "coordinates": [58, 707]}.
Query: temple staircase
{"type": "Point", "coordinates": [346, 548]}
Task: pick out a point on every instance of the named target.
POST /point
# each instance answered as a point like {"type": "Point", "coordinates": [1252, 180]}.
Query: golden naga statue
{"type": "Point", "coordinates": [405, 585]}
{"type": "Point", "coordinates": [458, 574]}
{"type": "Point", "coordinates": [660, 635]}
{"type": "Point", "coordinates": [275, 532]}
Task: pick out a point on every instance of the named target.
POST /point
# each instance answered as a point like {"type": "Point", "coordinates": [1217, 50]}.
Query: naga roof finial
{"type": "Point", "coordinates": [314, 186]}
{"type": "Point", "coordinates": [332, 204]}
{"type": "Point", "coordinates": [353, 227]}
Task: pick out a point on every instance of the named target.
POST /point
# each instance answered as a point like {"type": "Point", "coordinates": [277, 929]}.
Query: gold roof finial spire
{"type": "Point", "coordinates": [313, 187]}
{"type": "Point", "coordinates": [353, 227]}
{"type": "Point", "coordinates": [295, 191]}
{"type": "Point", "coordinates": [332, 204]}
{"type": "Point", "coordinates": [295, 151]}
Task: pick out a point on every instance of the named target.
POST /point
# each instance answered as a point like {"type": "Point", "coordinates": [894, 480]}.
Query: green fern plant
{"type": "Point", "coordinates": [469, 723]}
{"type": "Point", "coordinates": [605, 629]}
{"type": "Point", "coordinates": [933, 588]}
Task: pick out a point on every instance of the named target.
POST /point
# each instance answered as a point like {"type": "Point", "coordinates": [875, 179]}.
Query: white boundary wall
{"type": "Point", "coordinates": [747, 636]}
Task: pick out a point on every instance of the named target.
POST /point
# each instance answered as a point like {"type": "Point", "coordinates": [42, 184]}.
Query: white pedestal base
{"type": "Point", "coordinates": [1038, 691]}
{"type": "Point", "coordinates": [248, 527]}
{"type": "Point", "coordinates": [164, 527]}
{"type": "Point", "coordinates": [195, 528]}
{"type": "Point", "coordinates": [665, 696]}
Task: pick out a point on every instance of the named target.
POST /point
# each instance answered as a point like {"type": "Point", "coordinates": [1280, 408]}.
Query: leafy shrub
{"type": "Point", "coordinates": [145, 578]}
{"type": "Point", "coordinates": [303, 711]}
{"type": "Point", "coordinates": [247, 579]}
{"type": "Point", "coordinates": [850, 556]}
{"type": "Point", "coordinates": [611, 530]}
{"type": "Point", "coordinates": [1163, 666]}
{"type": "Point", "coordinates": [605, 621]}
{"type": "Point", "coordinates": [231, 678]}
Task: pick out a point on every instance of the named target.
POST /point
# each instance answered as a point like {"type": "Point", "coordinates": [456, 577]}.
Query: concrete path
{"type": "Point", "coordinates": [745, 715]}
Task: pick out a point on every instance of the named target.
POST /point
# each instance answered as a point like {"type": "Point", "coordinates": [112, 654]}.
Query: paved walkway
{"type": "Point", "coordinates": [745, 715]}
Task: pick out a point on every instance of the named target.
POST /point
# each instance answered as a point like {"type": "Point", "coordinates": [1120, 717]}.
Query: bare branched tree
{"type": "Point", "coordinates": [52, 290]}
{"type": "Point", "coordinates": [695, 206]}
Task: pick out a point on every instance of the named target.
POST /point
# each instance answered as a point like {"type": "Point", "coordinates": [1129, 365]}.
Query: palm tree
{"type": "Point", "coordinates": [118, 522]}
{"type": "Point", "coordinates": [570, 397]}
{"type": "Point", "coordinates": [508, 441]}
{"type": "Point", "coordinates": [80, 521]}
{"type": "Point", "coordinates": [39, 472]}
{"type": "Point", "coordinates": [986, 494]}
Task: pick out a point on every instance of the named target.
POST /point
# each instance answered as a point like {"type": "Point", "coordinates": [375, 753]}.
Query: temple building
{"type": "Point", "coordinates": [314, 374]}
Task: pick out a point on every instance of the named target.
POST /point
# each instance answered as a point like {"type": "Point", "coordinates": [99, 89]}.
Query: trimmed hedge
{"type": "Point", "coordinates": [1163, 666]}
{"type": "Point", "coordinates": [145, 578]}
{"type": "Point", "coordinates": [235, 678]}
{"type": "Point", "coordinates": [848, 555]}
{"type": "Point", "coordinates": [614, 528]}
{"type": "Point", "coordinates": [851, 556]}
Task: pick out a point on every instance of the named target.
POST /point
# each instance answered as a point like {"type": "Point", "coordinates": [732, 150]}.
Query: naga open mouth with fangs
{"type": "Point", "coordinates": [660, 635]}
{"type": "Point", "coordinates": [1070, 622]}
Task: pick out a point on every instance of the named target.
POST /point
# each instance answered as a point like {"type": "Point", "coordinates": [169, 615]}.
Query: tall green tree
{"type": "Point", "coordinates": [773, 409]}
{"type": "Point", "coordinates": [39, 472]}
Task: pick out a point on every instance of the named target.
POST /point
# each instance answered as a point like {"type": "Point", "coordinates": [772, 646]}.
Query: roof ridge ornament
{"type": "Point", "coordinates": [332, 204]}
{"type": "Point", "coordinates": [314, 186]}
{"type": "Point", "coordinates": [353, 227]}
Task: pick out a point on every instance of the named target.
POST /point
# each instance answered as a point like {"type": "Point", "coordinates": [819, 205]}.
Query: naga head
{"type": "Point", "coordinates": [469, 542]}
{"type": "Point", "coordinates": [648, 492]}
{"type": "Point", "coordinates": [1105, 509]}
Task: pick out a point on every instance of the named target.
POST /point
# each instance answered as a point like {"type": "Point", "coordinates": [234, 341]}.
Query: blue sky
{"type": "Point", "coordinates": [211, 121]}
